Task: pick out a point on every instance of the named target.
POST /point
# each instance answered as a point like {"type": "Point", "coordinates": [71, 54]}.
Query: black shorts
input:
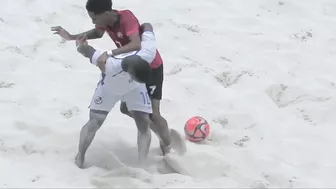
{"type": "Point", "coordinates": [154, 86]}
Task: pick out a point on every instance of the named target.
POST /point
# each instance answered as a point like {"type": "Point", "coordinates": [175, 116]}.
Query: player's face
{"type": "Point", "coordinates": [99, 19]}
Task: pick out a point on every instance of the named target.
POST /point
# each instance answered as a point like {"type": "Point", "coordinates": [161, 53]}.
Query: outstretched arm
{"type": "Point", "coordinates": [84, 48]}
{"type": "Point", "coordinates": [91, 34]}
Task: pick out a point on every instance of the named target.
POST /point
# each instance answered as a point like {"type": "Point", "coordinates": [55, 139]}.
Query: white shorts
{"type": "Point", "coordinates": [136, 99]}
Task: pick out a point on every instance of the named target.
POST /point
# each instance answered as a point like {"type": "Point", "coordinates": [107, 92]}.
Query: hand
{"type": "Point", "coordinates": [81, 42]}
{"type": "Point", "coordinates": [101, 62]}
{"type": "Point", "coordinates": [61, 32]}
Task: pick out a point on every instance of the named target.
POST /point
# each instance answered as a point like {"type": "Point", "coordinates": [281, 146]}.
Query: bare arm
{"type": "Point", "coordinates": [86, 50]}
{"type": "Point", "coordinates": [135, 39]}
{"type": "Point", "coordinates": [133, 45]}
{"type": "Point", "coordinates": [131, 28]}
{"type": "Point", "coordinates": [91, 34]}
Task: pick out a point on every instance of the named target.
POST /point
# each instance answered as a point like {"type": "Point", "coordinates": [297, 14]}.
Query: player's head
{"type": "Point", "coordinates": [100, 11]}
{"type": "Point", "coordinates": [137, 67]}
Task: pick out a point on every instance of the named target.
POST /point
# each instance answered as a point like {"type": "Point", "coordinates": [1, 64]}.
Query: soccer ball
{"type": "Point", "coordinates": [196, 129]}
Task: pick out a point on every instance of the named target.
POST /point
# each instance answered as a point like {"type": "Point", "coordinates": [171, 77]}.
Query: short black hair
{"type": "Point", "coordinates": [98, 6]}
{"type": "Point", "coordinates": [142, 71]}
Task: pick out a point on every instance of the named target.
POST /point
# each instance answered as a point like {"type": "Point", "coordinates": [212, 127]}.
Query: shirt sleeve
{"type": "Point", "coordinates": [95, 57]}
{"type": "Point", "coordinates": [148, 46]}
{"type": "Point", "coordinates": [112, 66]}
{"type": "Point", "coordinates": [131, 23]}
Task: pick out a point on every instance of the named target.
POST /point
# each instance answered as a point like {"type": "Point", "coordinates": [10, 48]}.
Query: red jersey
{"type": "Point", "coordinates": [127, 26]}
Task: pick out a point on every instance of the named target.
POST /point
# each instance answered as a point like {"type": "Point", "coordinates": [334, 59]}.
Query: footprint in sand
{"type": "Point", "coordinates": [228, 79]}
{"type": "Point", "coordinates": [71, 112]}
{"type": "Point", "coordinates": [178, 68]}
{"type": "Point", "coordinates": [7, 85]}
{"type": "Point", "coordinates": [241, 142]}
{"type": "Point", "coordinates": [284, 96]}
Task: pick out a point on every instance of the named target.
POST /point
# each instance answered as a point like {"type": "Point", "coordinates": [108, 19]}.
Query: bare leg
{"type": "Point", "coordinates": [87, 134]}
{"type": "Point", "coordinates": [142, 121]}
{"type": "Point", "coordinates": [170, 137]}
{"type": "Point", "coordinates": [124, 110]}
{"type": "Point", "coordinates": [161, 127]}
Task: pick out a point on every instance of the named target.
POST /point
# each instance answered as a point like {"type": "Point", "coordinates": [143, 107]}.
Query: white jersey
{"type": "Point", "coordinates": [115, 76]}
{"type": "Point", "coordinates": [115, 84]}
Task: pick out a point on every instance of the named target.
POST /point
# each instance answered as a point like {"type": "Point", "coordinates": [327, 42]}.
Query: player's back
{"type": "Point", "coordinates": [118, 80]}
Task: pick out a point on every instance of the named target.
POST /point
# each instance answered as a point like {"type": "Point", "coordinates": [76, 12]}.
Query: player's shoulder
{"type": "Point", "coordinates": [125, 12]}
{"type": "Point", "coordinates": [126, 16]}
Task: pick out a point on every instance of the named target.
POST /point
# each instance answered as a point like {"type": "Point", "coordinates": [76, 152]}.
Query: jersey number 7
{"type": "Point", "coordinates": [152, 89]}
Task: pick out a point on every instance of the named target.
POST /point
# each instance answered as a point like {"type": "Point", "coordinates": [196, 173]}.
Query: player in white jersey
{"type": "Point", "coordinates": [124, 79]}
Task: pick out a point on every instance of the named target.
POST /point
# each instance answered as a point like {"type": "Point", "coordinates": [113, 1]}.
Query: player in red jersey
{"type": "Point", "coordinates": [124, 29]}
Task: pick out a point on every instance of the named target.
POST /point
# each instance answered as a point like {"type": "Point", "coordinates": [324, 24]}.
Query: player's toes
{"type": "Point", "coordinates": [177, 142]}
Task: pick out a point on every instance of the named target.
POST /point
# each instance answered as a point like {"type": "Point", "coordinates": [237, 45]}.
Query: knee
{"type": "Point", "coordinates": [143, 125]}
{"type": "Point", "coordinates": [96, 120]}
{"type": "Point", "coordinates": [143, 122]}
{"type": "Point", "coordinates": [92, 126]}
{"type": "Point", "coordinates": [156, 116]}
{"type": "Point", "coordinates": [98, 116]}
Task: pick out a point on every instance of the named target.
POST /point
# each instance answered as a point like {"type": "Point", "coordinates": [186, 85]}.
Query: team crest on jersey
{"type": "Point", "coordinates": [120, 35]}
{"type": "Point", "coordinates": [98, 100]}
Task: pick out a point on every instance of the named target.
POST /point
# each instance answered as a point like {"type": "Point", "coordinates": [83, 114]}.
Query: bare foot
{"type": "Point", "coordinates": [164, 148]}
{"type": "Point", "coordinates": [79, 160]}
